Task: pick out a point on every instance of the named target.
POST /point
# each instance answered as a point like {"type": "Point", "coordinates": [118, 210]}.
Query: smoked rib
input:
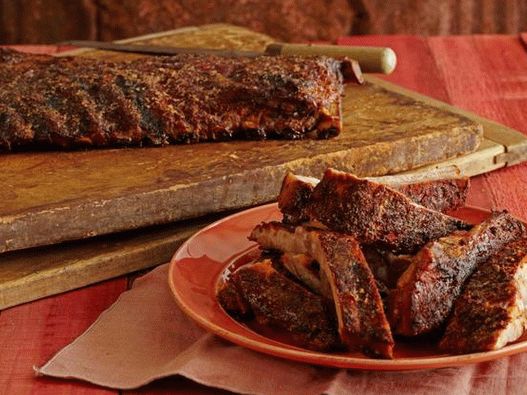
{"type": "Point", "coordinates": [282, 303]}
{"type": "Point", "coordinates": [232, 301]}
{"type": "Point", "coordinates": [375, 214]}
{"type": "Point", "coordinates": [294, 196]}
{"type": "Point", "coordinates": [78, 102]}
{"type": "Point", "coordinates": [492, 309]}
{"type": "Point", "coordinates": [426, 291]}
{"type": "Point", "coordinates": [440, 195]}
{"type": "Point", "coordinates": [361, 320]}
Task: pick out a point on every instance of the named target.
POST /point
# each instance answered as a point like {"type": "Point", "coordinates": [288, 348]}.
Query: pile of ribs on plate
{"type": "Point", "coordinates": [68, 102]}
{"type": "Point", "coordinates": [355, 263]}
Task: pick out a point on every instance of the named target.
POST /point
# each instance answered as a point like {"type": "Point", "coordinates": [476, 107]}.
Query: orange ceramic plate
{"type": "Point", "coordinates": [200, 262]}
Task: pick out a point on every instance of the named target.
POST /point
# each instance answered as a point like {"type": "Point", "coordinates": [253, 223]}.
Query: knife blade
{"type": "Point", "coordinates": [370, 59]}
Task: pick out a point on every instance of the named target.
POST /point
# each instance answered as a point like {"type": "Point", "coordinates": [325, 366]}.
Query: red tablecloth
{"type": "Point", "coordinates": [484, 74]}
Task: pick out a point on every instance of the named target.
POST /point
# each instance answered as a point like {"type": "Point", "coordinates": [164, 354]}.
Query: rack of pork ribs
{"type": "Point", "coordinates": [355, 263]}
{"type": "Point", "coordinates": [68, 102]}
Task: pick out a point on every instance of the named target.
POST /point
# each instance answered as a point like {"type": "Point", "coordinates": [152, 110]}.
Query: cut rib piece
{"type": "Point", "coordinates": [426, 291]}
{"type": "Point", "coordinates": [282, 303]}
{"type": "Point", "coordinates": [376, 214]}
{"type": "Point", "coordinates": [492, 309]}
{"type": "Point", "coordinates": [294, 196]}
{"type": "Point", "coordinates": [440, 195]}
{"type": "Point", "coordinates": [361, 321]}
{"type": "Point", "coordinates": [232, 301]}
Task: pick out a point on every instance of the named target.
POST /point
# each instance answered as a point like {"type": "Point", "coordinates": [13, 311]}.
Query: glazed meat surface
{"type": "Point", "coordinates": [492, 309]}
{"type": "Point", "coordinates": [78, 102]}
{"type": "Point", "coordinates": [440, 195]}
{"type": "Point", "coordinates": [376, 214]}
{"type": "Point", "coordinates": [362, 323]}
{"type": "Point", "coordinates": [280, 302]}
{"type": "Point", "coordinates": [426, 291]}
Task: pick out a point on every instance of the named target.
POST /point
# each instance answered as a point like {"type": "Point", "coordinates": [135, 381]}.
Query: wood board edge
{"type": "Point", "coordinates": [514, 142]}
{"type": "Point", "coordinates": [239, 190]}
{"type": "Point", "coordinates": [61, 276]}
{"type": "Point", "coordinates": [131, 40]}
{"type": "Point", "coordinates": [480, 162]}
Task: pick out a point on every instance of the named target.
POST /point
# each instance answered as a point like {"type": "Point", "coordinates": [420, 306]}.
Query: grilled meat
{"type": "Point", "coordinates": [492, 309]}
{"type": "Point", "coordinates": [440, 195]}
{"type": "Point", "coordinates": [386, 266]}
{"type": "Point", "coordinates": [307, 271]}
{"type": "Point", "coordinates": [280, 302]}
{"type": "Point", "coordinates": [294, 196]}
{"type": "Point", "coordinates": [376, 214]}
{"type": "Point", "coordinates": [232, 301]}
{"type": "Point", "coordinates": [426, 291]}
{"type": "Point", "coordinates": [361, 321]}
{"type": "Point", "coordinates": [81, 102]}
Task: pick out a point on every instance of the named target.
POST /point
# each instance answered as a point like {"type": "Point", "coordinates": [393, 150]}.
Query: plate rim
{"type": "Point", "coordinates": [319, 358]}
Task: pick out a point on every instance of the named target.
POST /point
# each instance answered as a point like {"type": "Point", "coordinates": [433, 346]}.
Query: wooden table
{"type": "Point", "coordinates": [485, 74]}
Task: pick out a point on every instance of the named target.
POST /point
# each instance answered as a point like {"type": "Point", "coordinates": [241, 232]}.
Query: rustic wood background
{"type": "Point", "coordinates": [48, 21]}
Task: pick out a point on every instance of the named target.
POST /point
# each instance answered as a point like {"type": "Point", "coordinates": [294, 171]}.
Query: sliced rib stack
{"type": "Point", "coordinates": [340, 246]}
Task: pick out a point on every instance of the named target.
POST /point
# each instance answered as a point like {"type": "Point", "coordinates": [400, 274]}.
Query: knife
{"type": "Point", "coordinates": [371, 59]}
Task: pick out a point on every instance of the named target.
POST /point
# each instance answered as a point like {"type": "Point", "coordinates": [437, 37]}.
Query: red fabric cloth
{"type": "Point", "coordinates": [485, 74]}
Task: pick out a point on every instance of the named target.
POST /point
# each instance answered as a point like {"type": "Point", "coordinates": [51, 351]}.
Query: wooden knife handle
{"type": "Point", "coordinates": [371, 59]}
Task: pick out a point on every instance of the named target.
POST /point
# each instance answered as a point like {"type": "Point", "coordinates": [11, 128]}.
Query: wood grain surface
{"type": "Point", "coordinates": [57, 196]}
{"type": "Point", "coordinates": [32, 333]}
{"type": "Point", "coordinates": [39, 272]}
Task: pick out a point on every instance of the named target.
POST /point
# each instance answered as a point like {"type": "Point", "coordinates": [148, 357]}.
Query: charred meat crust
{"type": "Point", "coordinates": [81, 102]}
{"type": "Point", "coordinates": [294, 196]}
{"type": "Point", "coordinates": [376, 214]}
{"type": "Point", "coordinates": [366, 327]}
{"type": "Point", "coordinates": [426, 291]}
{"type": "Point", "coordinates": [439, 195]}
{"type": "Point", "coordinates": [491, 310]}
{"type": "Point", "coordinates": [360, 315]}
{"type": "Point", "coordinates": [282, 303]}
{"type": "Point", "coordinates": [232, 300]}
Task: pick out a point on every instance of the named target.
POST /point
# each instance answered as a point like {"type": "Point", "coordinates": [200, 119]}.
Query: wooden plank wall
{"type": "Point", "coordinates": [49, 21]}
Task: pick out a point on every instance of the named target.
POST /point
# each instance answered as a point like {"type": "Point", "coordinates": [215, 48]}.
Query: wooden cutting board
{"type": "Point", "coordinates": [57, 196]}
